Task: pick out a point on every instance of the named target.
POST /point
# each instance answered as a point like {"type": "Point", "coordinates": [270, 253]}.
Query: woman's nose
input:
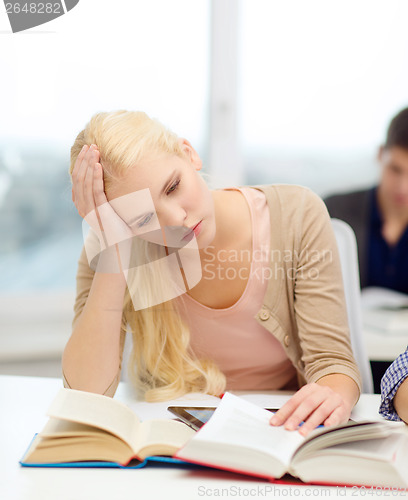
{"type": "Point", "coordinates": [176, 217]}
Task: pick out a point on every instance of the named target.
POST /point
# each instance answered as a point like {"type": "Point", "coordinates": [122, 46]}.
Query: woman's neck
{"type": "Point", "coordinates": [232, 218]}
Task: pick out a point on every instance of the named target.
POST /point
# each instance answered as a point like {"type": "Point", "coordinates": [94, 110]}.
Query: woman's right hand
{"type": "Point", "coordinates": [90, 200]}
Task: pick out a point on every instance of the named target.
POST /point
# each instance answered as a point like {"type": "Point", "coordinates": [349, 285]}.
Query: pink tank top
{"type": "Point", "coordinates": [249, 356]}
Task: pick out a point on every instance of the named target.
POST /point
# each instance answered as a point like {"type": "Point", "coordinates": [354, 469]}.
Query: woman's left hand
{"type": "Point", "coordinates": [313, 404]}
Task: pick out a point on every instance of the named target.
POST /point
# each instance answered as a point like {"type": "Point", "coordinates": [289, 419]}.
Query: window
{"type": "Point", "coordinates": [101, 56]}
{"type": "Point", "coordinates": [319, 82]}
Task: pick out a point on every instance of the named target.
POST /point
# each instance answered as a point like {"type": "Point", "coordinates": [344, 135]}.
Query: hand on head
{"type": "Point", "coordinates": [89, 197]}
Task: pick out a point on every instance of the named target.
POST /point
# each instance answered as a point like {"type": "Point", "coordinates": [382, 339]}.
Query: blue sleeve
{"type": "Point", "coordinates": [392, 379]}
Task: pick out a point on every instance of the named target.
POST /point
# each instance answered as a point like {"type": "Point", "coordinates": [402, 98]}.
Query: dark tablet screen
{"type": "Point", "coordinates": [196, 416]}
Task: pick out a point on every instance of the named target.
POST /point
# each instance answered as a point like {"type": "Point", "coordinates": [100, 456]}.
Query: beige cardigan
{"type": "Point", "coordinates": [304, 305]}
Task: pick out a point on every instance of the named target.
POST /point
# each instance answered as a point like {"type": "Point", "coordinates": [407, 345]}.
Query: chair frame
{"type": "Point", "coordinates": [347, 246]}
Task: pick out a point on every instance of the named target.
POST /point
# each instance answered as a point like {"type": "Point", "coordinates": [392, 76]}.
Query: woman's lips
{"type": "Point", "coordinates": [197, 228]}
{"type": "Point", "coordinates": [194, 231]}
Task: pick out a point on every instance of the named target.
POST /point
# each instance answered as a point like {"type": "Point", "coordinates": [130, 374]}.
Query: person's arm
{"type": "Point", "coordinates": [330, 369]}
{"type": "Point", "coordinates": [394, 390]}
{"type": "Point", "coordinates": [401, 401]}
{"type": "Point", "coordinates": [92, 356]}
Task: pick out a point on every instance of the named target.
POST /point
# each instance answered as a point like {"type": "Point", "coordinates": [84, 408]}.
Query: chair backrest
{"type": "Point", "coordinates": [347, 245]}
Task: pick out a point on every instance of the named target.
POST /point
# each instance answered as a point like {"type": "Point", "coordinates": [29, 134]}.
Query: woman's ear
{"type": "Point", "coordinates": [191, 153]}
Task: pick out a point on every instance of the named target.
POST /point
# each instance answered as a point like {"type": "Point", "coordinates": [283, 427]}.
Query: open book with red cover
{"type": "Point", "coordinates": [238, 437]}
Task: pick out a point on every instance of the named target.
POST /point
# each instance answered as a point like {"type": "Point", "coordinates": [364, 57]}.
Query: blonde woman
{"type": "Point", "coordinates": [264, 309]}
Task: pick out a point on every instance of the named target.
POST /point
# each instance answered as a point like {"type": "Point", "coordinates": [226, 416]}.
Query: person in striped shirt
{"type": "Point", "coordinates": [394, 390]}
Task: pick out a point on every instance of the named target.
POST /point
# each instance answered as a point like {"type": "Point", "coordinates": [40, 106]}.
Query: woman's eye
{"type": "Point", "coordinates": [145, 220]}
{"type": "Point", "coordinates": [173, 187]}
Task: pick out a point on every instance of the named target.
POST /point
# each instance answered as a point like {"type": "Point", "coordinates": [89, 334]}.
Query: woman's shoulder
{"type": "Point", "coordinates": [300, 198]}
{"type": "Point", "coordinates": [283, 190]}
{"type": "Point", "coordinates": [297, 213]}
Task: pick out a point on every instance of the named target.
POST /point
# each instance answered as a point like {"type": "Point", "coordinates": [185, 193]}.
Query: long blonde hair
{"type": "Point", "coordinates": [161, 362]}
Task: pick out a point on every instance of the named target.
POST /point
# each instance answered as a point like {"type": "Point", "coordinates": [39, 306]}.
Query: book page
{"type": "Point", "coordinates": [240, 423]}
{"type": "Point", "coordinates": [377, 462]}
{"type": "Point", "coordinates": [96, 410]}
{"type": "Point", "coordinates": [55, 428]}
{"type": "Point", "coordinates": [162, 437]}
{"type": "Point", "coordinates": [96, 446]}
{"type": "Point", "coordinates": [350, 432]}
{"type": "Point", "coordinates": [149, 411]}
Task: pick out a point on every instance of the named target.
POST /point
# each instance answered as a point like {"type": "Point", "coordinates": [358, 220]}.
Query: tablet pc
{"type": "Point", "coordinates": [197, 416]}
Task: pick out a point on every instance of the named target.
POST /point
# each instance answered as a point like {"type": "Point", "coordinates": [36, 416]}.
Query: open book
{"type": "Point", "coordinates": [84, 426]}
{"type": "Point", "coordinates": [238, 437]}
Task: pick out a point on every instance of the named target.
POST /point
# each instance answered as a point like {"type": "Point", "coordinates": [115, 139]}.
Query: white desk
{"type": "Point", "coordinates": [24, 401]}
{"type": "Point", "coordinates": [380, 309]}
{"type": "Point", "coordinates": [384, 347]}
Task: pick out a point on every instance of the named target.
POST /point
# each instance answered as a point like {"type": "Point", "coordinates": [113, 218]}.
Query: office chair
{"type": "Point", "coordinates": [347, 245]}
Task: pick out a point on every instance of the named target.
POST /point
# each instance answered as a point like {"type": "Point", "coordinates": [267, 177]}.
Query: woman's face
{"type": "Point", "coordinates": [166, 201]}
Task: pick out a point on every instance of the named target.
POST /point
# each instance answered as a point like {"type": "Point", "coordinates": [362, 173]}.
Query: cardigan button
{"type": "Point", "coordinates": [264, 315]}
{"type": "Point", "coordinates": [286, 340]}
